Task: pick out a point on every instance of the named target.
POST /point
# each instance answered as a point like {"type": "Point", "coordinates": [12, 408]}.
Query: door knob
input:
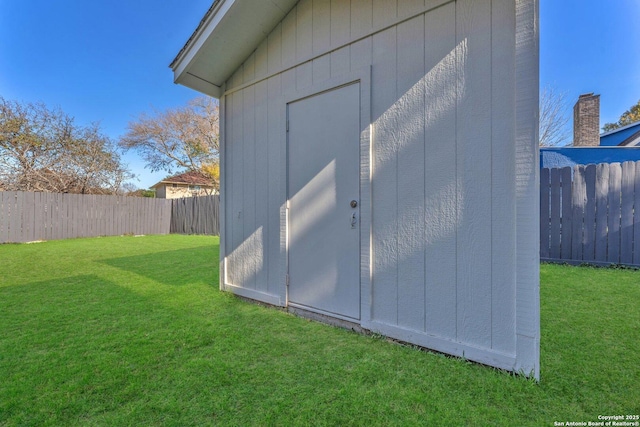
{"type": "Point", "coordinates": [354, 203]}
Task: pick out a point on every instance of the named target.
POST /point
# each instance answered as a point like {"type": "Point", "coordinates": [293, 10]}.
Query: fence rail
{"type": "Point", "coordinates": [591, 214]}
{"type": "Point", "coordinates": [26, 217]}
{"type": "Point", "coordinates": [196, 215]}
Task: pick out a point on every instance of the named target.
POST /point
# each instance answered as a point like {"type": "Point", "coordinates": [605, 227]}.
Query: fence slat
{"type": "Point", "coordinates": [626, 217]}
{"type": "Point", "coordinates": [566, 240]}
{"type": "Point", "coordinates": [601, 194]}
{"type": "Point", "coordinates": [589, 226]}
{"type": "Point", "coordinates": [4, 217]}
{"type": "Point", "coordinates": [636, 221]}
{"type": "Point", "coordinates": [38, 216]}
{"type": "Point", "coordinates": [27, 221]}
{"type": "Point", "coordinates": [554, 239]}
{"type": "Point", "coordinates": [577, 212]}
{"type": "Point", "coordinates": [613, 238]}
{"type": "Point", "coordinates": [72, 216]}
{"type": "Point", "coordinates": [16, 218]}
{"type": "Point", "coordinates": [544, 213]}
{"type": "Point", "coordinates": [53, 226]}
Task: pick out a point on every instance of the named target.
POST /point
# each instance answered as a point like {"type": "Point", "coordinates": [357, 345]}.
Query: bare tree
{"type": "Point", "coordinates": [95, 162]}
{"type": "Point", "coordinates": [44, 150]}
{"type": "Point", "coordinates": [553, 118]}
{"type": "Point", "coordinates": [184, 138]}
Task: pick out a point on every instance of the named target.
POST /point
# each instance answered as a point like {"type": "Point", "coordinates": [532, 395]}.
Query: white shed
{"type": "Point", "coordinates": [379, 165]}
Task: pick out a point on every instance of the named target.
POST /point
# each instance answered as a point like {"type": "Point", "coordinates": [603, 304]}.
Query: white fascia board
{"type": "Point", "coordinates": [633, 143]}
{"type": "Point", "coordinates": [197, 84]}
{"type": "Point", "coordinates": [198, 40]}
{"type": "Point", "coordinates": [232, 30]}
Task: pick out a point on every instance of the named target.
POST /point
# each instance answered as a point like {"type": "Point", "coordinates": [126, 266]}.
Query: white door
{"type": "Point", "coordinates": [323, 192]}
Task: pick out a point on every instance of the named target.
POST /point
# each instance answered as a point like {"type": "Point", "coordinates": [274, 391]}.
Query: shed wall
{"type": "Point", "coordinates": [444, 196]}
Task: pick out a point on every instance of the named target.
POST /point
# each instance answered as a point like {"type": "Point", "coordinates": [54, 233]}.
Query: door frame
{"type": "Point", "coordinates": [362, 76]}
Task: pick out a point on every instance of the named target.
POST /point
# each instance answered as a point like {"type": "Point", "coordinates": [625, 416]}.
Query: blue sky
{"type": "Point", "coordinates": [592, 46]}
{"type": "Point", "coordinates": [107, 61]}
{"type": "Point", "coordinates": [101, 61]}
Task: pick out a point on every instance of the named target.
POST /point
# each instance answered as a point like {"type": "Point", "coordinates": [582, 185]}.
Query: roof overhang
{"type": "Point", "coordinates": [161, 183]}
{"type": "Point", "coordinates": [632, 141]}
{"type": "Point", "coordinates": [226, 36]}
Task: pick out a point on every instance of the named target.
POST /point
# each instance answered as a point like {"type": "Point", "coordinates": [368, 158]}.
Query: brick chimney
{"type": "Point", "coordinates": [586, 121]}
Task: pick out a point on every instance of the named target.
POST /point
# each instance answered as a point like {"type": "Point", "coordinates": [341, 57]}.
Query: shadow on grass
{"type": "Point", "coordinates": [89, 350]}
{"type": "Point", "coordinates": [80, 347]}
{"type": "Point", "coordinates": [86, 349]}
{"type": "Point", "coordinates": [176, 268]}
{"type": "Point", "coordinates": [76, 302]}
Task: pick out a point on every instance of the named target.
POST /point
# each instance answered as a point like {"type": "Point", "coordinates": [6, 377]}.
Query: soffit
{"type": "Point", "coordinates": [230, 31]}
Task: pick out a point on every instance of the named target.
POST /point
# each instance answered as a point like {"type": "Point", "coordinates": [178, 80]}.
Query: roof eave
{"type": "Point", "coordinates": [620, 129]}
{"type": "Point", "coordinates": [161, 183]}
{"type": "Point", "coordinates": [194, 82]}
{"type": "Point", "coordinates": [196, 33]}
{"type": "Point", "coordinates": [632, 141]}
{"type": "Point", "coordinates": [226, 36]}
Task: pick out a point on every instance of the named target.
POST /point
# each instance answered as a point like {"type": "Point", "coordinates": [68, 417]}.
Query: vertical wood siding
{"type": "Point", "coordinates": [527, 285]}
{"type": "Point", "coordinates": [27, 217]}
{"type": "Point", "coordinates": [473, 126]}
{"type": "Point", "coordinates": [445, 204]}
{"type": "Point", "coordinates": [503, 173]}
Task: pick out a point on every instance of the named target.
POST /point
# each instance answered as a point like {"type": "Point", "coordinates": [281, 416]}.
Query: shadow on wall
{"type": "Point", "coordinates": [443, 175]}
{"type": "Point", "coordinates": [418, 187]}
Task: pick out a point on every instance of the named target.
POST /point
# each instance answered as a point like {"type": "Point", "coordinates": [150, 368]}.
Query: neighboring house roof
{"type": "Point", "coordinates": [559, 157]}
{"type": "Point", "coordinates": [187, 178]}
{"type": "Point", "coordinates": [205, 63]}
{"type": "Point", "coordinates": [625, 136]}
{"type": "Point", "coordinates": [616, 146]}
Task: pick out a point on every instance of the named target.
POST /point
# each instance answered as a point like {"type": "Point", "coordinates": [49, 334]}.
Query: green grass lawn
{"type": "Point", "coordinates": [133, 331]}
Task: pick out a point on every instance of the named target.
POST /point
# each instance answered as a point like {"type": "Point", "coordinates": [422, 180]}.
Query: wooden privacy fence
{"type": "Point", "coordinates": [588, 214]}
{"type": "Point", "coordinates": [26, 217]}
{"type": "Point", "coordinates": [196, 215]}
